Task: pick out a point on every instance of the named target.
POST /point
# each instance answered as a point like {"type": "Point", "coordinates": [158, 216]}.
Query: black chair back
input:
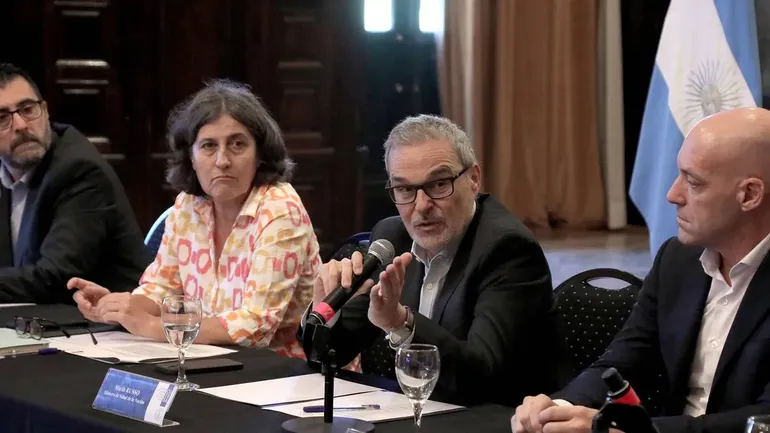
{"type": "Point", "coordinates": [379, 359]}
{"type": "Point", "coordinates": [358, 241]}
{"type": "Point", "coordinates": [593, 315]}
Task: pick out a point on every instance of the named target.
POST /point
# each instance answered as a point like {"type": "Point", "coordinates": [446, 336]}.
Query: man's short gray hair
{"type": "Point", "coordinates": [424, 127]}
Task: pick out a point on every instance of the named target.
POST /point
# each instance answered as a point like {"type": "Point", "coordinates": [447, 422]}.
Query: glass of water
{"type": "Point", "coordinates": [758, 424]}
{"type": "Point", "coordinates": [417, 369]}
{"type": "Point", "coordinates": [181, 318]}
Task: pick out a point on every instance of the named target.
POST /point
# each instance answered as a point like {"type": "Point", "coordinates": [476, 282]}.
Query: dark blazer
{"type": "Point", "coordinates": [77, 222]}
{"type": "Point", "coordinates": [493, 318]}
{"type": "Point", "coordinates": [664, 326]}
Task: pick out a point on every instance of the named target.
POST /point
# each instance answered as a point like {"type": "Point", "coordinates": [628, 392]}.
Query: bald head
{"type": "Point", "coordinates": [724, 177]}
{"type": "Point", "coordinates": [734, 143]}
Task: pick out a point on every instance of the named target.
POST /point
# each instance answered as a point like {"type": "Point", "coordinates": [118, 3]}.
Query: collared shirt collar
{"type": "Point", "coordinates": [7, 180]}
{"type": "Point", "coordinates": [448, 252]}
{"type": "Point", "coordinates": [711, 260]}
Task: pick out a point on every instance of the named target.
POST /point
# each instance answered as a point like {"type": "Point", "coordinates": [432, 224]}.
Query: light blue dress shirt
{"type": "Point", "coordinates": [19, 190]}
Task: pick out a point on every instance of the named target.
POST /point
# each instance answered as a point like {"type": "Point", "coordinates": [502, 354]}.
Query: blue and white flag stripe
{"type": "Point", "coordinates": [707, 62]}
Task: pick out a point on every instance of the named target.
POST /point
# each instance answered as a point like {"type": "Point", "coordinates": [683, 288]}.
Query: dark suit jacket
{"type": "Point", "coordinates": [664, 326]}
{"type": "Point", "coordinates": [77, 222]}
{"type": "Point", "coordinates": [493, 320]}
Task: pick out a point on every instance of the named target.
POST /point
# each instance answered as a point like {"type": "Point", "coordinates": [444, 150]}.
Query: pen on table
{"type": "Point", "coordinates": [45, 351]}
{"type": "Point", "coordinates": [316, 409]}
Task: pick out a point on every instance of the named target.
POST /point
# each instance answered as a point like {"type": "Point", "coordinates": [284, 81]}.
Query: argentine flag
{"type": "Point", "coordinates": [707, 62]}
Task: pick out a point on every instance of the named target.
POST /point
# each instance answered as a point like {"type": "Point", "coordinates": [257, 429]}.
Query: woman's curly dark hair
{"type": "Point", "coordinates": [221, 97]}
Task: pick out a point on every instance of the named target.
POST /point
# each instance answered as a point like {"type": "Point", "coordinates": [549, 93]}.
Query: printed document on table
{"type": "Point", "coordinates": [393, 406]}
{"type": "Point", "coordinates": [121, 347]}
{"type": "Point", "coordinates": [285, 390]}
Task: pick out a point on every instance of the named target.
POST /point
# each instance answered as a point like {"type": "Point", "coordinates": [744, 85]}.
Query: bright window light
{"type": "Point", "coordinates": [378, 15]}
{"type": "Point", "coordinates": [431, 16]}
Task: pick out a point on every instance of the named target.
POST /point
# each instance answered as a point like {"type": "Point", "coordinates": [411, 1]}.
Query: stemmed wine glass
{"type": "Point", "coordinates": [417, 370]}
{"type": "Point", "coordinates": [758, 424]}
{"type": "Point", "coordinates": [181, 318]}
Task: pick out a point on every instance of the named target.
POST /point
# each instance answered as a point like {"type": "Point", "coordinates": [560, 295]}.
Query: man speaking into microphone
{"type": "Point", "coordinates": [467, 277]}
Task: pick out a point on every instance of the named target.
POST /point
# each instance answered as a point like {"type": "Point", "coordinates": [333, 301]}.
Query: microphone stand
{"type": "Point", "coordinates": [315, 341]}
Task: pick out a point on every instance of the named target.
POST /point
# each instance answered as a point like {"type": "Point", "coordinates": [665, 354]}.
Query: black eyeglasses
{"type": "Point", "coordinates": [29, 111]}
{"type": "Point", "coordinates": [34, 327]}
{"type": "Point", "coordinates": [435, 189]}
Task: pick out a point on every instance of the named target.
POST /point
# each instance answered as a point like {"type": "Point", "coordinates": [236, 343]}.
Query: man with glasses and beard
{"type": "Point", "coordinates": [468, 277]}
{"type": "Point", "coordinates": [63, 210]}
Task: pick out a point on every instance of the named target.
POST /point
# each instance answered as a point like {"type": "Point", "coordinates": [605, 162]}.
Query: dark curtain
{"type": "Point", "coordinates": [763, 35]}
{"type": "Point", "coordinates": [642, 23]}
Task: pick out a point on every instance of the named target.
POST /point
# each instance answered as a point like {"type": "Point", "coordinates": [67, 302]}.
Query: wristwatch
{"type": "Point", "coordinates": [400, 334]}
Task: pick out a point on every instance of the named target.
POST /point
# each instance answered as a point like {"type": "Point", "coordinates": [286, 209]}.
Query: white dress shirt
{"type": "Point", "coordinates": [19, 190]}
{"type": "Point", "coordinates": [436, 269]}
{"type": "Point", "coordinates": [721, 307]}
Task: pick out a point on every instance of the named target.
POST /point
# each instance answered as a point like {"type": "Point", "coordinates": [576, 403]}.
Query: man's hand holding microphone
{"type": "Point", "coordinates": [340, 280]}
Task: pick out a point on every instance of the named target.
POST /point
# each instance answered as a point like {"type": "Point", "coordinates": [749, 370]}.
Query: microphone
{"type": "Point", "coordinates": [623, 409]}
{"type": "Point", "coordinates": [620, 390]}
{"type": "Point", "coordinates": [381, 252]}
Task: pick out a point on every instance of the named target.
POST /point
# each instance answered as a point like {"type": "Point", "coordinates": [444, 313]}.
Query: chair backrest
{"type": "Point", "coordinates": [592, 315]}
{"type": "Point", "coordinates": [361, 238]}
{"type": "Point", "coordinates": [358, 241]}
{"type": "Point", "coordinates": [155, 235]}
{"type": "Point", "coordinates": [379, 359]}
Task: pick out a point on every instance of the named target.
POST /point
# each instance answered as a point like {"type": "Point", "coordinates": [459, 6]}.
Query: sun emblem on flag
{"type": "Point", "coordinates": [711, 87]}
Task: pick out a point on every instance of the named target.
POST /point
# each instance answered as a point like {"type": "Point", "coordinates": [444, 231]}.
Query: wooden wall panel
{"type": "Point", "coordinates": [190, 47]}
{"type": "Point", "coordinates": [83, 89]}
{"type": "Point", "coordinates": [303, 94]}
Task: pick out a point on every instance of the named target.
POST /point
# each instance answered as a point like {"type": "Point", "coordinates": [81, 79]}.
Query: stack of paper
{"type": "Point", "coordinates": [392, 406]}
{"type": "Point", "coordinates": [291, 395]}
{"type": "Point", "coordinates": [12, 344]}
{"type": "Point", "coordinates": [285, 390]}
{"type": "Point", "coordinates": [122, 347]}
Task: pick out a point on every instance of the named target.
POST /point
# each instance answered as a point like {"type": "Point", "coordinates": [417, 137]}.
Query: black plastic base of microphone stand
{"type": "Point", "coordinates": [317, 425]}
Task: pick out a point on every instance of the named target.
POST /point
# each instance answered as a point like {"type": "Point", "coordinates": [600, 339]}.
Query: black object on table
{"type": "Point", "coordinates": [202, 365]}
